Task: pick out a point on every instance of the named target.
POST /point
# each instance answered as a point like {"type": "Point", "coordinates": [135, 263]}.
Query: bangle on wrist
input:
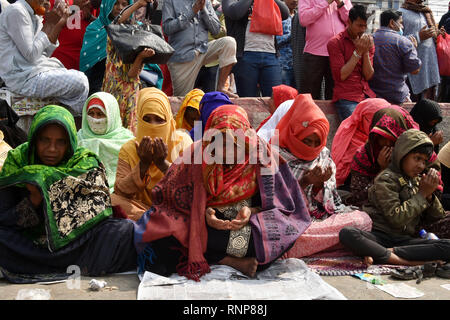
{"type": "Point", "coordinates": [356, 54]}
{"type": "Point", "coordinates": [340, 5]}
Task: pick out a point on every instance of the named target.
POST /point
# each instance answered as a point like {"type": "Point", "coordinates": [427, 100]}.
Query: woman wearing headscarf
{"type": "Point", "coordinates": [4, 148]}
{"type": "Point", "coordinates": [280, 94]}
{"type": "Point", "coordinates": [209, 102]}
{"type": "Point", "coordinates": [189, 110]}
{"type": "Point", "coordinates": [143, 161]}
{"type": "Point", "coordinates": [302, 137]}
{"type": "Point", "coordinates": [351, 134]}
{"type": "Point", "coordinates": [427, 113]}
{"type": "Point", "coordinates": [239, 214]}
{"type": "Point", "coordinates": [102, 131]}
{"type": "Point", "coordinates": [55, 206]}
{"type": "Point", "coordinates": [374, 156]}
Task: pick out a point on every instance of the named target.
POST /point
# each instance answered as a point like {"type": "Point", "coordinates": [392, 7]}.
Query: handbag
{"type": "Point", "coordinates": [443, 54]}
{"type": "Point", "coordinates": [130, 39]}
{"type": "Point", "coordinates": [266, 18]}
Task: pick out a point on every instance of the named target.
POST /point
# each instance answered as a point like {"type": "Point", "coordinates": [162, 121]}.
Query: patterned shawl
{"type": "Point", "coordinates": [352, 134]}
{"type": "Point", "coordinates": [106, 146]}
{"type": "Point", "coordinates": [180, 201]}
{"type": "Point", "coordinates": [75, 192]}
{"type": "Point", "coordinates": [389, 123]}
{"type": "Point", "coordinates": [416, 7]}
{"type": "Point", "coordinates": [327, 201]}
{"type": "Point", "coordinates": [192, 99]}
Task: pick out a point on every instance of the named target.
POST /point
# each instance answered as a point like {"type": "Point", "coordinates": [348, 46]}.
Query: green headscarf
{"type": "Point", "coordinates": [75, 192]}
{"type": "Point", "coordinates": [94, 41]}
{"type": "Point", "coordinates": [106, 146]}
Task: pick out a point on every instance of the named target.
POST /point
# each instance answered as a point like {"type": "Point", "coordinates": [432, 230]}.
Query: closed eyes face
{"type": "Point", "coordinates": [153, 119]}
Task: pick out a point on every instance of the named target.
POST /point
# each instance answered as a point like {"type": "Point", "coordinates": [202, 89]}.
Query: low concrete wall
{"type": "Point", "coordinates": [258, 110]}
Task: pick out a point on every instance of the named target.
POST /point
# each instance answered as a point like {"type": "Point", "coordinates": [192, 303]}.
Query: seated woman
{"type": "Point", "coordinates": [351, 134]}
{"type": "Point", "coordinates": [303, 135]}
{"type": "Point", "coordinates": [102, 131]}
{"type": "Point", "coordinates": [280, 94]}
{"type": "Point", "coordinates": [55, 206]}
{"type": "Point", "coordinates": [400, 198]}
{"type": "Point", "coordinates": [427, 113]}
{"type": "Point", "coordinates": [210, 102]}
{"type": "Point", "coordinates": [238, 214]}
{"type": "Point", "coordinates": [373, 157]}
{"type": "Point", "coordinates": [189, 110]}
{"type": "Point", "coordinates": [143, 161]}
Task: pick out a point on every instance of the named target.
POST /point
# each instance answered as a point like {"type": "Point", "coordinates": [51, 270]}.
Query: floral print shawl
{"type": "Point", "coordinates": [75, 192]}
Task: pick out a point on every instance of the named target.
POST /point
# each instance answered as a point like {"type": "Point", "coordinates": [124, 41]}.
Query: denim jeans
{"type": "Point", "coordinates": [287, 77]}
{"type": "Point", "coordinates": [257, 68]}
{"type": "Point", "coordinates": [345, 108]}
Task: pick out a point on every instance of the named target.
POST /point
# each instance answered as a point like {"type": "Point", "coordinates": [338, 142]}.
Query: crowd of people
{"type": "Point", "coordinates": [111, 180]}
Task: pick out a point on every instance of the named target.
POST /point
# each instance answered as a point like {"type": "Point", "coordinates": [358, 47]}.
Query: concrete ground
{"type": "Point", "coordinates": [127, 286]}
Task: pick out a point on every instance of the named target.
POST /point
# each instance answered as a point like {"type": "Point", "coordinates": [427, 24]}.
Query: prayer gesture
{"type": "Point", "coordinates": [58, 15]}
{"type": "Point", "coordinates": [145, 150]}
{"type": "Point", "coordinates": [413, 40]}
{"type": "Point", "coordinates": [437, 137]}
{"type": "Point", "coordinates": [198, 5]}
{"type": "Point", "coordinates": [35, 195]}
{"type": "Point", "coordinates": [429, 183]}
{"type": "Point", "coordinates": [316, 176]}
{"type": "Point", "coordinates": [385, 157]}
{"type": "Point", "coordinates": [214, 222]}
{"type": "Point", "coordinates": [363, 44]}
{"type": "Point", "coordinates": [426, 33]}
{"type": "Point", "coordinates": [242, 218]}
{"type": "Point", "coordinates": [160, 152]}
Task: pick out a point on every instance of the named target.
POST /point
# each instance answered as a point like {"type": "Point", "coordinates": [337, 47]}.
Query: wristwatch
{"type": "Point", "coordinates": [356, 54]}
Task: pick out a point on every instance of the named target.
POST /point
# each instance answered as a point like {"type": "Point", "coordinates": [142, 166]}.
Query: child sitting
{"type": "Point", "coordinates": [400, 200]}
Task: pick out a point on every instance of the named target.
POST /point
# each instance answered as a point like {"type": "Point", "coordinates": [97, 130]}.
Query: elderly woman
{"type": "Point", "coordinates": [144, 161]}
{"type": "Point", "coordinates": [102, 131]}
{"type": "Point", "coordinates": [55, 206]}
{"type": "Point", "coordinates": [238, 213]}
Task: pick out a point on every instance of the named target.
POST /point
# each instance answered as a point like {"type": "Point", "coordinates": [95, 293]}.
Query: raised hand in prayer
{"type": "Point", "coordinates": [242, 218]}
{"type": "Point", "coordinates": [35, 195]}
{"type": "Point", "coordinates": [198, 5]}
{"type": "Point", "coordinates": [214, 222]}
{"type": "Point", "coordinates": [437, 137]}
{"type": "Point", "coordinates": [426, 33]}
{"type": "Point", "coordinates": [145, 154]}
{"type": "Point", "coordinates": [317, 176]}
{"type": "Point", "coordinates": [160, 152]}
{"type": "Point", "coordinates": [429, 183]}
{"type": "Point", "coordinates": [384, 157]}
{"type": "Point", "coordinates": [413, 40]}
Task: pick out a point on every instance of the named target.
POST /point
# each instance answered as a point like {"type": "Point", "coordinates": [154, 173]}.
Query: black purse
{"type": "Point", "coordinates": [130, 39]}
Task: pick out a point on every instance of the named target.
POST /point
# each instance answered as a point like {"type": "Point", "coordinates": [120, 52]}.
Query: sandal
{"type": "Point", "coordinates": [427, 270]}
{"type": "Point", "coordinates": [444, 271]}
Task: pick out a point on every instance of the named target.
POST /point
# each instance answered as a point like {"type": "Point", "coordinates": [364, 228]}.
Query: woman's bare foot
{"type": "Point", "coordinates": [368, 261]}
{"type": "Point", "coordinates": [245, 265]}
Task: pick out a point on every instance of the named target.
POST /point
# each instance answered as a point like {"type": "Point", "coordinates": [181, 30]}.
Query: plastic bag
{"type": "Point", "coordinates": [443, 54]}
{"type": "Point", "coordinates": [266, 18]}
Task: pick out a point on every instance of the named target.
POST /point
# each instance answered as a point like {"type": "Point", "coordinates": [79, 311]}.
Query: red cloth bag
{"type": "Point", "coordinates": [443, 54]}
{"type": "Point", "coordinates": [266, 18]}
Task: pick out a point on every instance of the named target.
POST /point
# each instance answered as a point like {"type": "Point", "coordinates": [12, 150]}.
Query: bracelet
{"type": "Point", "coordinates": [356, 54]}
{"type": "Point", "coordinates": [341, 5]}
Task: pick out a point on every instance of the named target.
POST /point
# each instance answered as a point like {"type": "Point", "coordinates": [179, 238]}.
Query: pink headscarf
{"type": "Point", "coordinates": [352, 134]}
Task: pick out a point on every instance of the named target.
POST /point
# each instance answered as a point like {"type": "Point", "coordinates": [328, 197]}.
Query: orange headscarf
{"type": "Point", "coordinates": [283, 93]}
{"type": "Point", "coordinates": [224, 185]}
{"type": "Point", "coordinates": [192, 99]}
{"type": "Point", "coordinates": [303, 119]}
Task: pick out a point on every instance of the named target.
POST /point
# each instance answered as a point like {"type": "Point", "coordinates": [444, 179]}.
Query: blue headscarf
{"type": "Point", "coordinates": [209, 102]}
{"type": "Point", "coordinates": [94, 41]}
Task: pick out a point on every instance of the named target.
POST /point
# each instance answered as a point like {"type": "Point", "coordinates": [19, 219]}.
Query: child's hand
{"type": "Point", "coordinates": [437, 137]}
{"type": "Point", "coordinates": [429, 183]}
{"type": "Point", "coordinates": [384, 157]}
{"type": "Point", "coordinates": [143, 3]}
{"type": "Point", "coordinates": [146, 53]}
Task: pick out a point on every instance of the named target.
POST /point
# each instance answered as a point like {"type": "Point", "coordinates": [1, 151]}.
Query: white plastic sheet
{"type": "Point", "coordinates": [288, 279]}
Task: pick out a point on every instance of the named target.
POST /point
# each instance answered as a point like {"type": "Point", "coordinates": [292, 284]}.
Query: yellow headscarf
{"type": "Point", "coordinates": [192, 99]}
{"type": "Point", "coordinates": [154, 101]}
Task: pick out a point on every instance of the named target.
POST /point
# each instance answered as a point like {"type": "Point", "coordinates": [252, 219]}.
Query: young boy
{"type": "Point", "coordinates": [401, 199]}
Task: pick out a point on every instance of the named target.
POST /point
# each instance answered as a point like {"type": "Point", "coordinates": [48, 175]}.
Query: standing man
{"type": "Point", "coordinates": [351, 60]}
{"type": "Point", "coordinates": [419, 22]}
{"type": "Point", "coordinates": [186, 23]}
{"type": "Point", "coordinates": [395, 57]}
{"type": "Point", "coordinates": [323, 20]}
{"type": "Point", "coordinates": [445, 20]}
